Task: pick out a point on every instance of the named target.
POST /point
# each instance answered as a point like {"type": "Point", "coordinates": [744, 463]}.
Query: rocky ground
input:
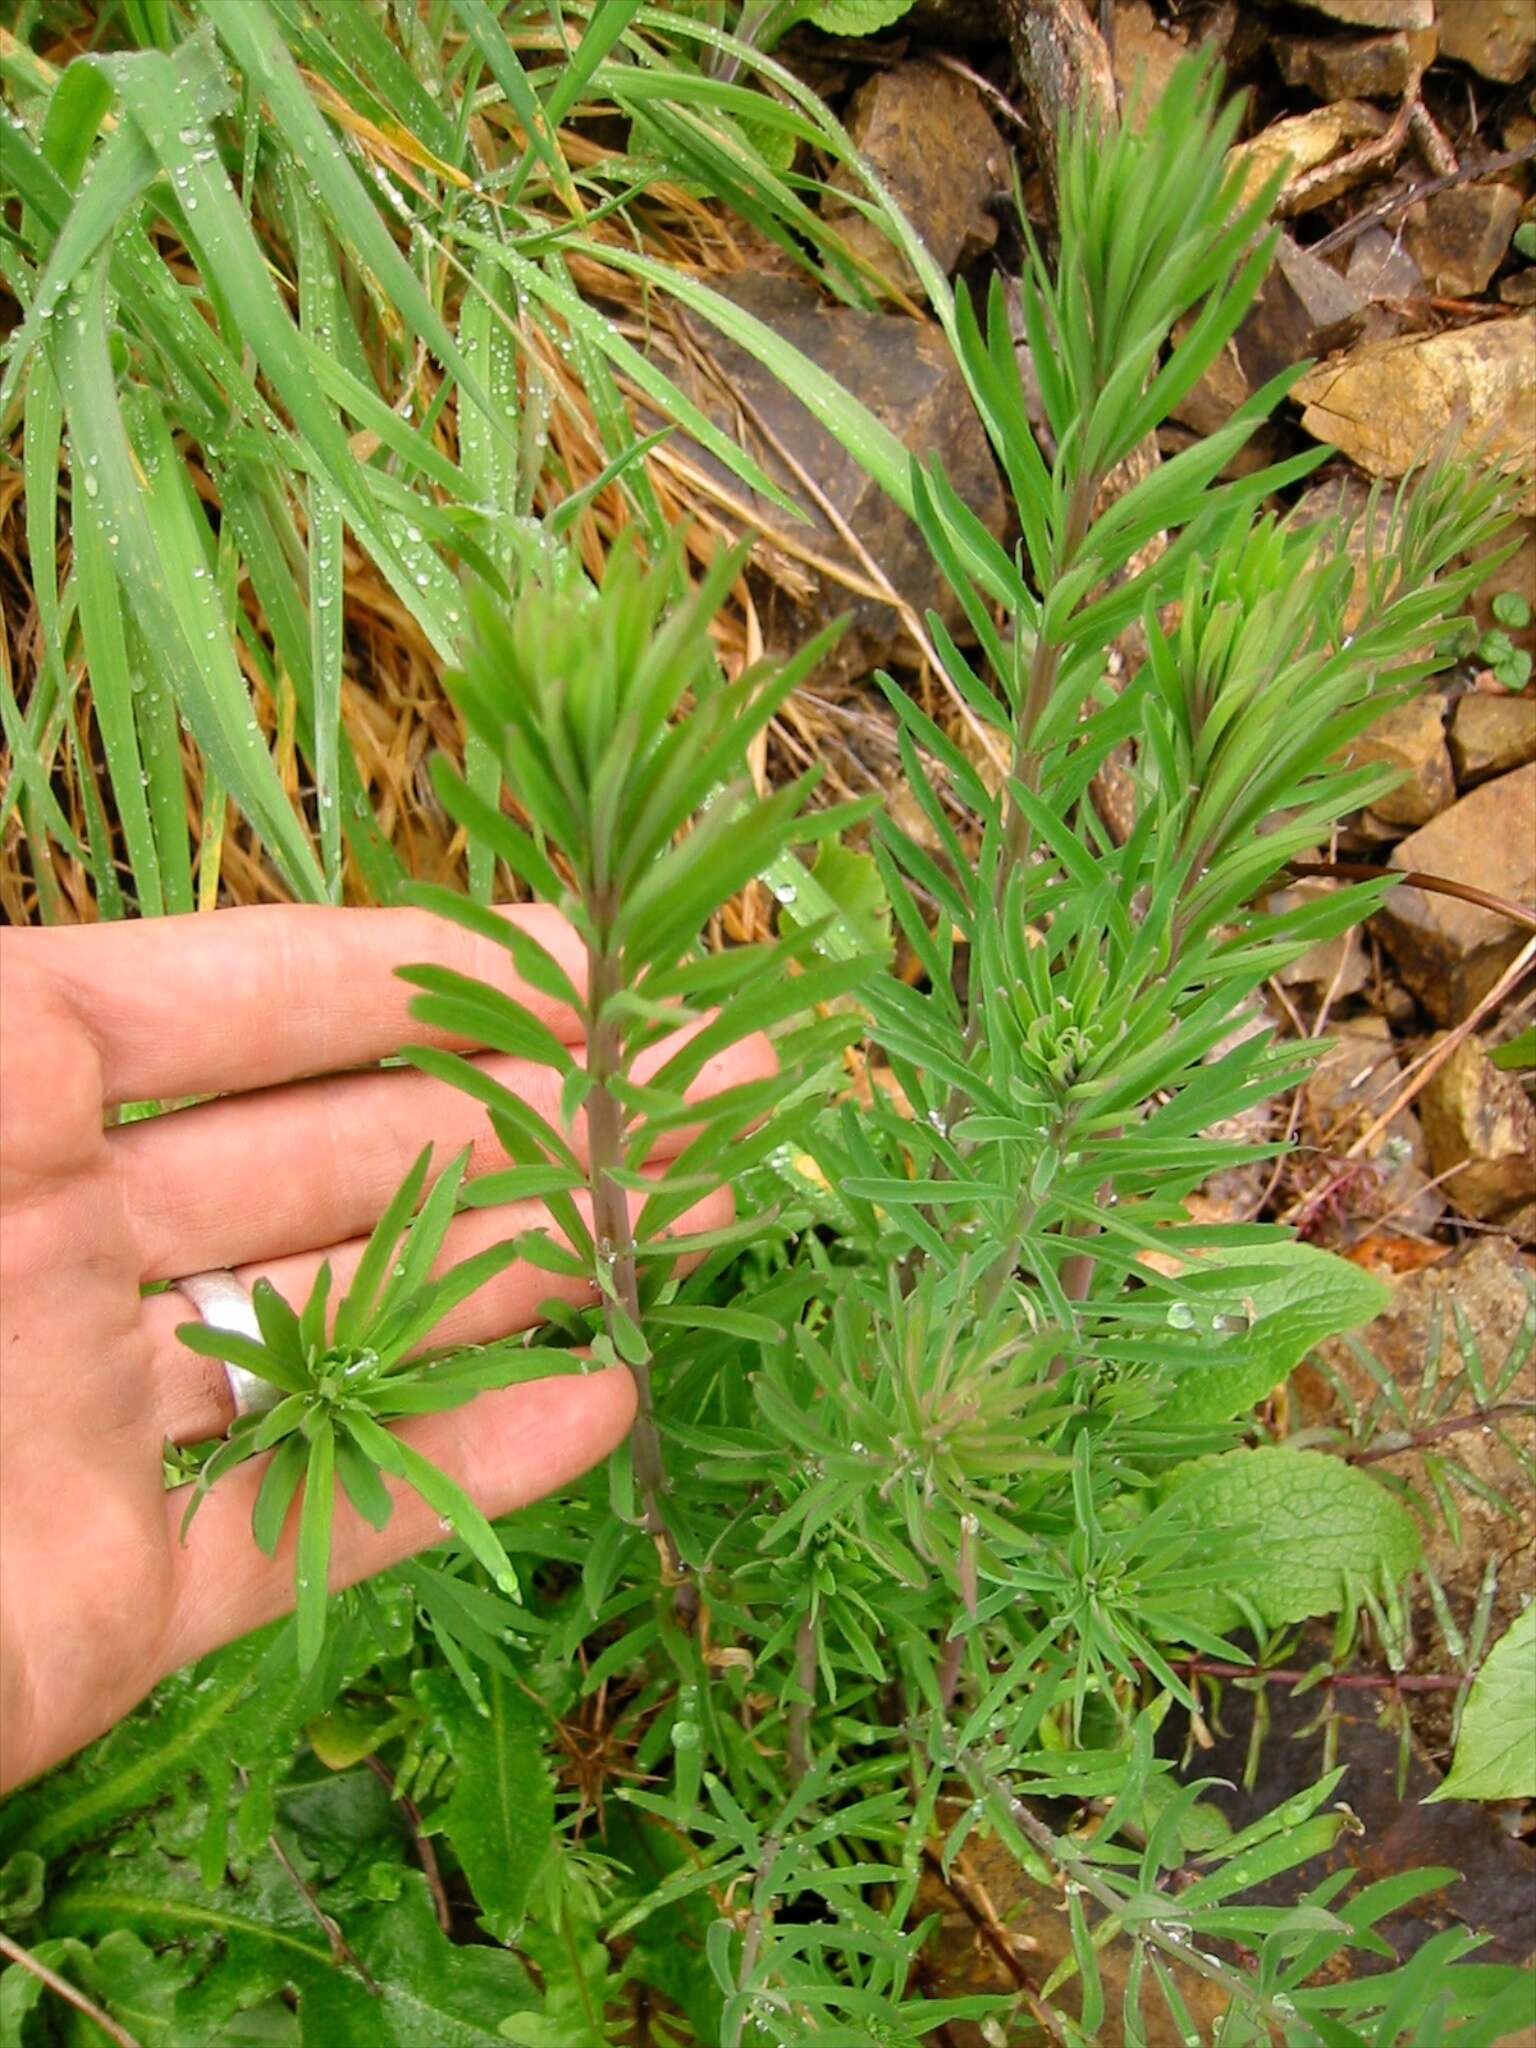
{"type": "Point", "coordinates": [1407, 270]}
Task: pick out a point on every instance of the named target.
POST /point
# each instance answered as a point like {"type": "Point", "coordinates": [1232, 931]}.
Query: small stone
{"type": "Point", "coordinates": [1398, 14]}
{"type": "Point", "coordinates": [1519, 289]}
{"type": "Point", "coordinates": [1336, 967]}
{"type": "Point", "coordinates": [1459, 238]}
{"type": "Point", "coordinates": [1381, 268]}
{"type": "Point", "coordinates": [1302, 142]}
{"type": "Point", "coordinates": [1304, 308]}
{"type": "Point", "coordinates": [1389, 404]}
{"type": "Point", "coordinates": [1411, 739]}
{"type": "Point", "coordinates": [1367, 68]}
{"type": "Point", "coordinates": [1450, 953]}
{"type": "Point", "coordinates": [1496, 37]}
{"type": "Point", "coordinates": [1145, 57]}
{"type": "Point", "coordinates": [1491, 734]}
{"type": "Point", "coordinates": [1481, 1134]}
{"type": "Point", "coordinates": [929, 137]}
{"type": "Point", "coordinates": [905, 372]}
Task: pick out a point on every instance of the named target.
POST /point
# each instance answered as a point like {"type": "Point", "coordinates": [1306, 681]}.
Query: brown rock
{"type": "Point", "coordinates": [1409, 738]}
{"type": "Point", "coordinates": [904, 371]}
{"type": "Point", "coordinates": [1302, 142]}
{"type": "Point", "coordinates": [1144, 56]}
{"type": "Point", "coordinates": [1459, 238]}
{"type": "Point", "coordinates": [1348, 1089]}
{"type": "Point", "coordinates": [1367, 68]}
{"type": "Point", "coordinates": [1450, 953]}
{"type": "Point", "coordinates": [1496, 37]}
{"type": "Point", "coordinates": [1519, 289]}
{"type": "Point", "coordinates": [932, 143]}
{"type": "Point", "coordinates": [1377, 13]}
{"type": "Point", "coordinates": [1475, 1114]}
{"type": "Point", "coordinates": [1389, 404]}
{"type": "Point", "coordinates": [1381, 268]}
{"type": "Point", "coordinates": [1304, 308]}
{"type": "Point", "coordinates": [1491, 734]}
{"type": "Point", "coordinates": [1335, 968]}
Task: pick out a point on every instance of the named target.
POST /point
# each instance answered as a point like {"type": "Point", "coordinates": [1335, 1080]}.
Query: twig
{"type": "Point", "coordinates": [984, 86]}
{"type": "Point", "coordinates": [752, 1941]}
{"type": "Point", "coordinates": [1411, 878]}
{"type": "Point", "coordinates": [62, 1988]}
{"type": "Point", "coordinates": [430, 1869]}
{"type": "Point", "coordinates": [1426, 188]}
{"type": "Point", "coordinates": [1435, 1432]}
{"type": "Point", "coordinates": [341, 1953]}
{"type": "Point", "coordinates": [983, 1917]}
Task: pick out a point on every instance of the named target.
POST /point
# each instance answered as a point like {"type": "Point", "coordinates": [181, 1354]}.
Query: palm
{"type": "Point", "coordinates": [291, 1164]}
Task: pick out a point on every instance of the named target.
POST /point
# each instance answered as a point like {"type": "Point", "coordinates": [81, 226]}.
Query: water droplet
{"type": "Point", "coordinates": [1181, 1316]}
{"type": "Point", "coordinates": [92, 486]}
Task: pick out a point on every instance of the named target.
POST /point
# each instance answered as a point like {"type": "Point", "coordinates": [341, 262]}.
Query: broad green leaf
{"type": "Point", "coordinates": [1255, 1323]}
{"type": "Point", "coordinates": [843, 884]}
{"type": "Point", "coordinates": [1496, 1750]}
{"type": "Point", "coordinates": [500, 1816]}
{"type": "Point", "coordinates": [425, 1988]}
{"type": "Point", "coordinates": [854, 17]}
{"type": "Point", "coordinates": [1299, 1527]}
{"type": "Point", "coordinates": [242, 1703]}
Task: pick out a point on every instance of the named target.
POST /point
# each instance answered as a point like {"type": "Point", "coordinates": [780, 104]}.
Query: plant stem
{"type": "Point", "coordinates": [801, 1710]}
{"type": "Point", "coordinates": [1083, 1874]}
{"type": "Point", "coordinates": [954, 1649]}
{"type": "Point", "coordinates": [424, 1849]}
{"type": "Point", "coordinates": [614, 1231]}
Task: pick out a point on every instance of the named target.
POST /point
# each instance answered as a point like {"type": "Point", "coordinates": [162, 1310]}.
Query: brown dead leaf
{"type": "Point", "coordinates": [1389, 403]}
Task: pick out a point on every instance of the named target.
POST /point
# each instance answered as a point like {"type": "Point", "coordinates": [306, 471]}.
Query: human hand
{"type": "Point", "coordinates": [292, 1165]}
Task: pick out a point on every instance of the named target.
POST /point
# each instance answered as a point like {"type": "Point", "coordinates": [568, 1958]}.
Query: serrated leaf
{"type": "Point", "coordinates": [1496, 1752]}
{"type": "Point", "coordinates": [1299, 1525]}
{"type": "Point", "coordinates": [500, 1816]}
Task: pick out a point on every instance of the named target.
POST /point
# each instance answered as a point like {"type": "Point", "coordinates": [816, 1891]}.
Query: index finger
{"type": "Point", "coordinates": [215, 1003]}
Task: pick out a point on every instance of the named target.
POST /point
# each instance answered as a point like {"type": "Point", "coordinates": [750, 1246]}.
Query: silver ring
{"type": "Point", "coordinates": [224, 1304]}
